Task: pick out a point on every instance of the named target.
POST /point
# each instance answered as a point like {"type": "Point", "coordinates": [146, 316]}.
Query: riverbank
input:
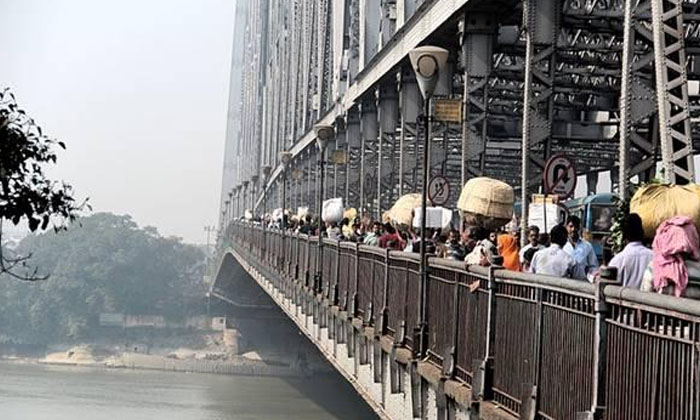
{"type": "Point", "coordinates": [237, 366]}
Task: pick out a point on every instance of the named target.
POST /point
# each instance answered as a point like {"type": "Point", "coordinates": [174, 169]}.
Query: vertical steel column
{"type": "Point", "coordinates": [478, 35]}
{"type": "Point", "coordinates": [370, 15]}
{"type": "Point", "coordinates": [441, 131]}
{"type": "Point", "coordinates": [368, 157]}
{"type": "Point", "coordinates": [410, 103]}
{"type": "Point", "coordinates": [353, 11]}
{"type": "Point", "coordinates": [672, 91]}
{"type": "Point", "coordinates": [354, 166]}
{"type": "Point", "coordinates": [388, 106]}
{"type": "Point", "coordinates": [541, 24]}
{"type": "Point", "coordinates": [341, 175]}
{"type": "Point", "coordinates": [322, 64]}
{"type": "Point", "coordinates": [637, 99]}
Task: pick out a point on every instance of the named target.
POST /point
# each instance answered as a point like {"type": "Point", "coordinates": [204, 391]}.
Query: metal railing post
{"type": "Point", "coordinates": [483, 368]}
{"type": "Point", "coordinates": [608, 276]}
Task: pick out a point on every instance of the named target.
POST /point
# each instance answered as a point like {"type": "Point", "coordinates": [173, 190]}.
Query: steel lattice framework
{"type": "Point", "coordinates": [613, 84]}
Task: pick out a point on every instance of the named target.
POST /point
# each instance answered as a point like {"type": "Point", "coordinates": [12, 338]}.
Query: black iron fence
{"type": "Point", "coordinates": [540, 347]}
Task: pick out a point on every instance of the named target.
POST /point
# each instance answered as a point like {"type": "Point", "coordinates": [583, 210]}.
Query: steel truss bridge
{"type": "Point", "coordinates": [613, 84]}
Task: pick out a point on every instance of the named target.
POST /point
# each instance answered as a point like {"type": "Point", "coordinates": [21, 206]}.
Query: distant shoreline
{"type": "Point", "coordinates": [138, 361]}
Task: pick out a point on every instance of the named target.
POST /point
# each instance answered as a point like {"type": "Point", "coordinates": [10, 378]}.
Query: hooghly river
{"type": "Point", "coordinates": [38, 392]}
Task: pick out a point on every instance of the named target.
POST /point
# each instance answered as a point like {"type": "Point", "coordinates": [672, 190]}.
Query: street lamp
{"type": "Point", "coordinates": [324, 134]}
{"type": "Point", "coordinates": [427, 62]}
{"type": "Point", "coordinates": [285, 158]}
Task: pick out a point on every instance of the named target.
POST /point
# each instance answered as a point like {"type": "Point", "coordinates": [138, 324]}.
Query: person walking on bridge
{"type": "Point", "coordinates": [633, 260]}
{"type": "Point", "coordinates": [553, 260]}
{"type": "Point", "coordinates": [580, 250]}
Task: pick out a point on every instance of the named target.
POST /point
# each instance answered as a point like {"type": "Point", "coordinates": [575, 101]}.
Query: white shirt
{"type": "Point", "coordinates": [631, 263]}
{"type": "Point", "coordinates": [524, 250]}
{"type": "Point", "coordinates": [584, 256]}
{"type": "Point", "coordinates": [552, 261]}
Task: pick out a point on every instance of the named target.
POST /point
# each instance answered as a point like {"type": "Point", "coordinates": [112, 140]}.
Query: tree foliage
{"type": "Point", "coordinates": [26, 193]}
{"type": "Point", "coordinates": [108, 264]}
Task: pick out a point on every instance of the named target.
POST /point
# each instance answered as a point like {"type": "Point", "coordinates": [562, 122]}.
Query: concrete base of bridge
{"type": "Point", "coordinates": [394, 384]}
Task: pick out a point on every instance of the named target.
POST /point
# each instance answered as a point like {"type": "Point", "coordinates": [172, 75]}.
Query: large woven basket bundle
{"type": "Point", "coordinates": [486, 202]}
{"type": "Point", "coordinates": [402, 211]}
{"type": "Point", "coordinates": [655, 203]}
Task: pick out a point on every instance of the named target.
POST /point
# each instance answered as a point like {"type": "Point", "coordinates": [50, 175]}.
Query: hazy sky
{"type": "Point", "coordinates": [138, 91]}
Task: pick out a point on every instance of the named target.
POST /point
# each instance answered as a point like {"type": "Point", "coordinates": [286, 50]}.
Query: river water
{"type": "Point", "coordinates": [39, 392]}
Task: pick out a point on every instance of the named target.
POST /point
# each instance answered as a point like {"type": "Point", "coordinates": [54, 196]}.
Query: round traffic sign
{"type": "Point", "coordinates": [559, 176]}
{"type": "Point", "coordinates": [439, 190]}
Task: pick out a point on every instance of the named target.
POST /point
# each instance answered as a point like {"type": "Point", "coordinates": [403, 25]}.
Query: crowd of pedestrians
{"type": "Point", "coordinates": [561, 252]}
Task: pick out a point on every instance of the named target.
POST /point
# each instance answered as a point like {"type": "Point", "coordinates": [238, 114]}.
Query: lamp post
{"type": "Point", "coordinates": [324, 134]}
{"type": "Point", "coordinates": [285, 158]}
{"type": "Point", "coordinates": [427, 62]}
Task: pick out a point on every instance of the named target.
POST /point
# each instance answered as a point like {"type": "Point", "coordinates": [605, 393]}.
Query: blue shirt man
{"type": "Point", "coordinates": [580, 250]}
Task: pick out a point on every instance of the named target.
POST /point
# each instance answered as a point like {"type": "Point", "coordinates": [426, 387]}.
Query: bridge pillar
{"type": "Point", "coordinates": [341, 169]}
{"type": "Point", "coordinates": [368, 158]}
{"type": "Point", "coordinates": [353, 137]}
{"type": "Point", "coordinates": [388, 105]}
{"type": "Point", "coordinates": [477, 38]}
{"type": "Point", "coordinates": [410, 103]}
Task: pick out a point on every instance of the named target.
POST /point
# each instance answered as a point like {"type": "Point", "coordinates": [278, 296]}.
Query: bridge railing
{"type": "Point", "coordinates": [538, 346]}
